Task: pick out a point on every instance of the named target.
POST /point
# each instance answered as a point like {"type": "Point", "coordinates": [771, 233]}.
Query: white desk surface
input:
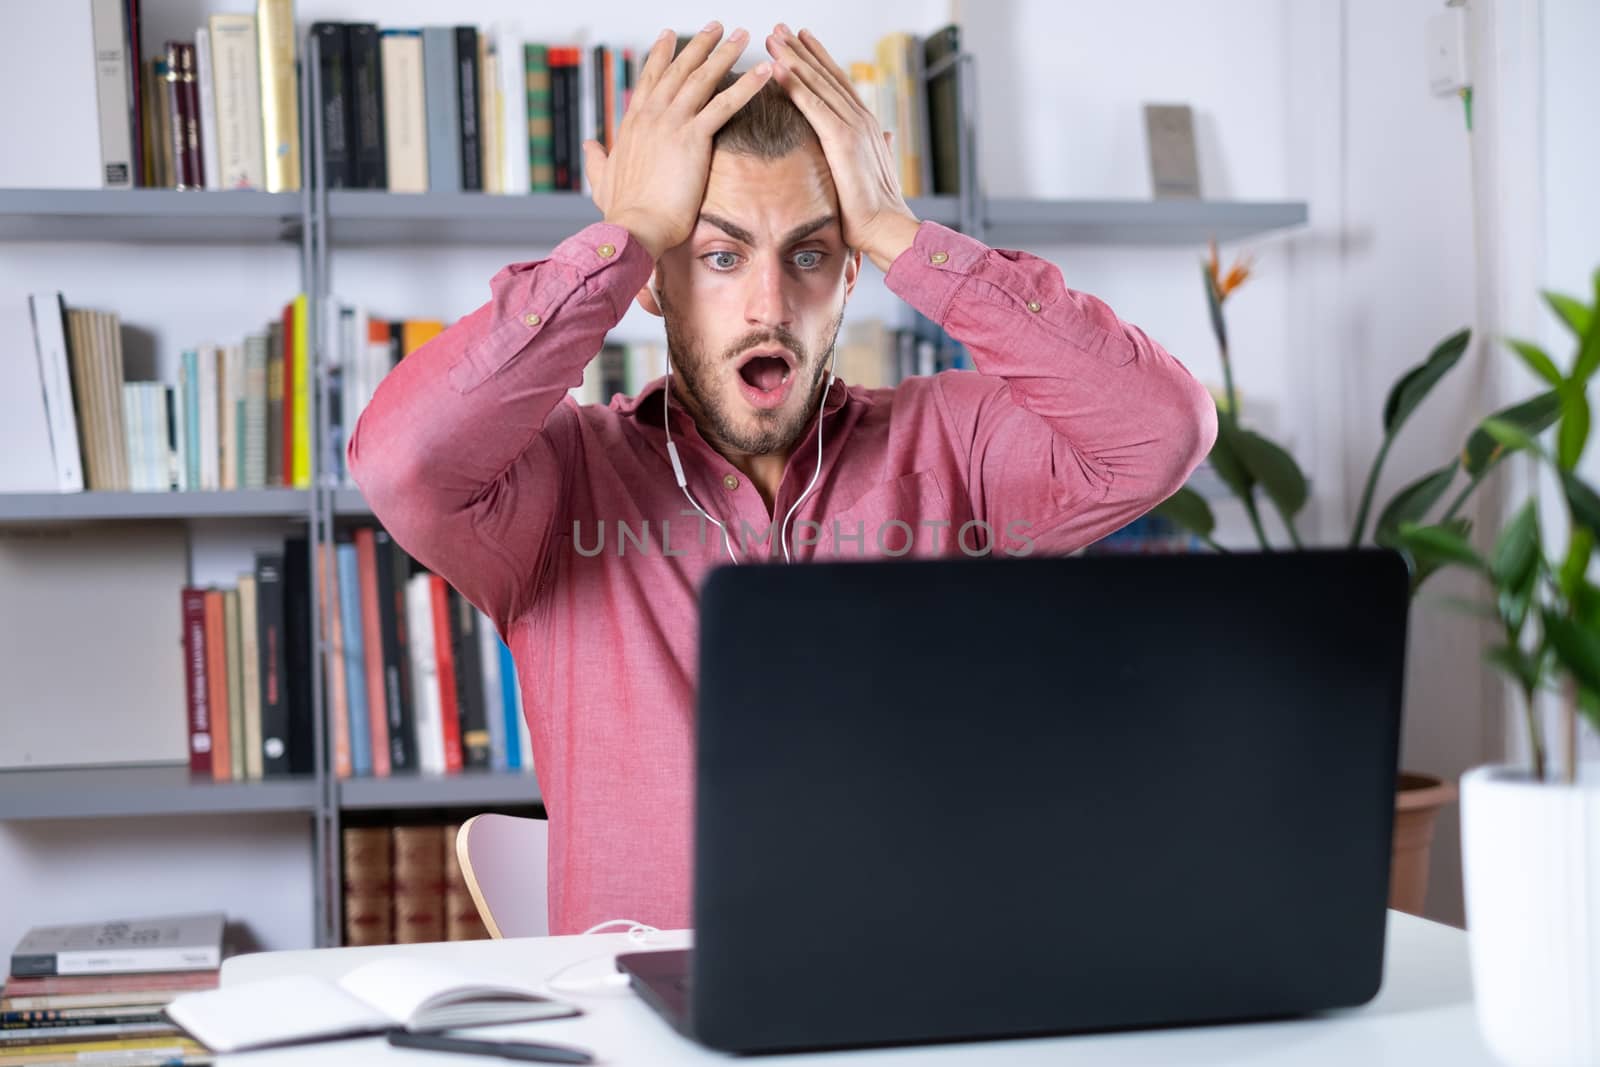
{"type": "Point", "coordinates": [1423, 1015]}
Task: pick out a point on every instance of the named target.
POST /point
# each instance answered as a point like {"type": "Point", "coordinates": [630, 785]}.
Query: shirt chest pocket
{"type": "Point", "coordinates": [908, 515]}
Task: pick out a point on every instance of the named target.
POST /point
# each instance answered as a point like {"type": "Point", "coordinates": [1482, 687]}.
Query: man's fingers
{"type": "Point", "coordinates": [792, 55]}
{"type": "Point", "coordinates": [594, 167]}
{"type": "Point", "coordinates": [703, 82]}
{"type": "Point", "coordinates": [655, 63]}
{"type": "Point", "coordinates": [721, 107]}
{"type": "Point", "coordinates": [820, 54]}
{"type": "Point", "coordinates": [689, 60]}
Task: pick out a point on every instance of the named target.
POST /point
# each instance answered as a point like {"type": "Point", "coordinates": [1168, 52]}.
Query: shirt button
{"type": "Point", "coordinates": [730, 481]}
{"type": "Point", "coordinates": [606, 251]}
{"type": "Point", "coordinates": [1034, 305]}
{"type": "Point", "coordinates": [939, 257]}
{"type": "Point", "coordinates": [532, 320]}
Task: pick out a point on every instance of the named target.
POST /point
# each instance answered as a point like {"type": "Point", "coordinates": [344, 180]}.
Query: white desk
{"type": "Point", "coordinates": [1423, 1015]}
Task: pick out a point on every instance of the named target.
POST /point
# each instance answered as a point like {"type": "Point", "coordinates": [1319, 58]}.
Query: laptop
{"type": "Point", "coordinates": [983, 798]}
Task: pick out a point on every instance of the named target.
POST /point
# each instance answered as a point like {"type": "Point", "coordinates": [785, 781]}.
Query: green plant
{"type": "Point", "coordinates": [1548, 611]}
{"type": "Point", "coordinates": [1249, 463]}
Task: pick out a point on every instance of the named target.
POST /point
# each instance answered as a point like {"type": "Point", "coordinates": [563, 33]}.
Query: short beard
{"type": "Point", "coordinates": [775, 431]}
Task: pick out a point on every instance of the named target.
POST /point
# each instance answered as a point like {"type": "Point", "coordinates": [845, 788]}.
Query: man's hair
{"type": "Point", "coordinates": [769, 126]}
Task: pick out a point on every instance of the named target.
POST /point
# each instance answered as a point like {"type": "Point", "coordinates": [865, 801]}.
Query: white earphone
{"type": "Point", "coordinates": [677, 465]}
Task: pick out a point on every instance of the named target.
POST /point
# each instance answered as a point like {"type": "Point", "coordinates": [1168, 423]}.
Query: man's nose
{"type": "Point", "coordinates": [767, 302]}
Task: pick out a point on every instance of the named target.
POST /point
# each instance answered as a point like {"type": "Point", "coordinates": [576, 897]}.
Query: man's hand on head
{"type": "Point", "coordinates": [875, 217]}
{"type": "Point", "coordinates": [654, 178]}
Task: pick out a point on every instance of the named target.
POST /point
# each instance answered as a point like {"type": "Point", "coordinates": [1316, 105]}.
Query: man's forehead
{"type": "Point", "coordinates": [785, 229]}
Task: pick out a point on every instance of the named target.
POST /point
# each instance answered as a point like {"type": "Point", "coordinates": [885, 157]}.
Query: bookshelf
{"type": "Point", "coordinates": [318, 221]}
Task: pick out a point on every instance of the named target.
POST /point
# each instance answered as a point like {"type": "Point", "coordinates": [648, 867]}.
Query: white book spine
{"type": "Point", "coordinates": [236, 81]}
{"type": "Point", "coordinates": [514, 110]}
{"type": "Point", "coordinates": [228, 460]}
{"type": "Point", "coordinates": [132, 440]}
{"type": "Point", "coordinates": [211, 174]}
{"type": "Point", "coordinates": [121, 960]}
{"type": "Point", "coordinates": [405, 124]}
{"type": "Point", "coordinates": [181, 421]}
{"type": "Point", "coordinates": [587, 106]}
{"type": "Point", "coordinates": [154, 433]}
{"type": "Point", "coordinates": [360, 368]}
{"type": "Point", "coordinates": [493, 699]}
{"type": "Point", "coordinates": [424, 675]}
{"type": "Point", "coordinates": [111, 90]}
{"type": "Point", "coordinates": [50, 346]}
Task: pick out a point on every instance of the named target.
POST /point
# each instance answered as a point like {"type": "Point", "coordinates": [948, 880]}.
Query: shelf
{"type": "Point", "coordinates": [1031, 223]}
{"type": "Point", "coordinates": [358, 217]}
{"type": "Point", "coordinates": [100, 792]}
{"type": "Point", "coordinates": [149, 215]}
{"type": "Point", "coordinates": [348, 502]}
{"type": "Point", "coordinates": [485, 789]}
{"type": "Point", "coordinates": [98, 505]}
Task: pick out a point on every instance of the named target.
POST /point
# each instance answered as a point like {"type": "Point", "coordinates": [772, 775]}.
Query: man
{"type": "Point", "coordinates": [738, 209]}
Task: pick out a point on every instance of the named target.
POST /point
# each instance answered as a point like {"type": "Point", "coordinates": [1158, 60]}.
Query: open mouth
{"type": "Point", "coordinates": [766, 371]}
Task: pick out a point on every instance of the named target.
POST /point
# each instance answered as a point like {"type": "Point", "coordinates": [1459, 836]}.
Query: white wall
{"type": "Point", "coordinates": [1322, 100]}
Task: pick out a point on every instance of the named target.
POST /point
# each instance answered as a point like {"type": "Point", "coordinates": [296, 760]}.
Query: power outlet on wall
{"type": "Point", "coordinates": [1447, 51]}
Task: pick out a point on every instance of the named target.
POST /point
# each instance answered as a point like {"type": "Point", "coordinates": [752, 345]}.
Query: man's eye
{"type": "Point", "coordinates": [717, 264]}
{"type": "Point", "coordinates": [814, 262]}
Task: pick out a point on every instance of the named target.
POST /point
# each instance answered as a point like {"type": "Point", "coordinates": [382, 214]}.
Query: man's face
{"type": "Point", "coordinates": [753, 300]}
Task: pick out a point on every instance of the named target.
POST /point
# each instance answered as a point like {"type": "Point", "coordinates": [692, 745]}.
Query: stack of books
{"type": "Point", "coordinates": [98, 991]}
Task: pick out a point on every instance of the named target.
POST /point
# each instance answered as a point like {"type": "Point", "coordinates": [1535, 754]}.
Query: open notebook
{"type": "Point", "coordinates": [370, 999]}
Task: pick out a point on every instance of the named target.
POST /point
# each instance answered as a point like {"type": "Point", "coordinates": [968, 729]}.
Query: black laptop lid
{"type": "Point", "coordinates": [969, 798]}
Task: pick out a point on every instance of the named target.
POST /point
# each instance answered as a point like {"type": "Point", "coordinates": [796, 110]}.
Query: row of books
{"type": "Point", "coordinates": [238, 416]}
{"type": "Point", "coordinates": [456, 108]}
{"type": "Point", "coordinates": [216, 110]}
{"type": "Point", "coordinates": [97, 992]}
{"type": "Point", "coordinates": [403, 885]}
{"type": "Point", "coordinates": [418, 678]}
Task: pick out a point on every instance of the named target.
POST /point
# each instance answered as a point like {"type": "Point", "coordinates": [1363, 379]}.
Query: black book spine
{"type": "Point", "coordinates": [392, 573]}
{"type": "Point", "coordinates": [397, 342]}
{"type": "Point", "coordinates": [575, 121]}
{"type": "Point", "coordinates": [135, 65]}
{"type": "Point", "coordinates": [366, 71]}
{"type": "Point", "coordinates": [597, 61]}
{"type": "Point", "coordinates": [467, 98]}
{"type": "Point", "coordinates": [333, 42]}
{"type": "Point", "coordinates": [297, 651]}
{"type": "Point", "coordinates": [469, 682]}
{"type": "Point", "coordinates": [274, 668]}
{"type": "Point", "coordinates": [560, 157]}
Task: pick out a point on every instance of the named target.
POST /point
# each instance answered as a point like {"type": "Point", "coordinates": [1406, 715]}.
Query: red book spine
{"type": "Point", "coordinates": [217, 685]}
{"type": "Point", "coordinates": [372, 649]}
{"type": "Point", "coordinates": [450, 710]}
{"type": "Point", "coordinates": [288, 394]}
{"type": "Point", "coordinates": [194, 677]}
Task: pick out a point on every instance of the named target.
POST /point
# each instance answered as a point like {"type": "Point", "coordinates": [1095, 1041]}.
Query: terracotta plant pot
{"type": "Point", "coordinates": [1417, 801]}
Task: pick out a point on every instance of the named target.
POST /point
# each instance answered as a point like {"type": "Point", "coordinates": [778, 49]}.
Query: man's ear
{"type": "Point", "coordinates": [647, 296]}
{"type": "Point", "coordinates": [852, 271]}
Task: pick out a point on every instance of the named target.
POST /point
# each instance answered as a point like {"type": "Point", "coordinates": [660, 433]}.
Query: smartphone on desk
{"type": "Point", "coordinates": [505, 1048]}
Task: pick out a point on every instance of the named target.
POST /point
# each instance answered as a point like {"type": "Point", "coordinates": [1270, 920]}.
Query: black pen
{"type": "Point", "coordinates": [511, 1050]}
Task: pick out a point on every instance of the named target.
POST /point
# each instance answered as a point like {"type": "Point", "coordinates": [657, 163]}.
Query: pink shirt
{"type": "Point", "coordinates": [482, 467]}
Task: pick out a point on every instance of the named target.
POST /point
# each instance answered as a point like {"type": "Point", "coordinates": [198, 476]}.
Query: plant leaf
{"type": "Point", "coordinates": [1274, 469]}
{"type": "Point", "coordinates": [1463, 606]}
{"type": "Point", "coordinates": [1532, 417]}
{"type": "Point", "coordinates": [1225, 459]}
{"type": "Point", "coordinates": [1513, 437]}
{"type": "Point", "coordinates": [1514, 662]}
{"type": "Point", "coordinates": [1516, 550]}
{"type": "Point", "coordinates": [1411, 504]}
{"type": "Point", "coordinates": [1589, 350]}
{"type": "Point", "coordinates": [1189, 510]}
{"type": "Point", "coordinates": [1423, 568]}
{"type": "Point", "coordinates": [1537, 360]}
{"type": "Point", "coordinates": [1574, 313]}
{"type": "Point", "coordinates": [1584, 500]}
{"type": "Point", "coordinates": [1577, 649]}
{"type": "Point", "coordinates": [1442, 544]}
{"type": "Point", "coordinates": [1574, 431]}
{"type": "Point", "coordinates": [1410, 390]}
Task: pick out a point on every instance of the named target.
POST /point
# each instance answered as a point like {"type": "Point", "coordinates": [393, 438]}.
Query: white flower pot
{"type": "Point", "coordinates": [1530, 854]}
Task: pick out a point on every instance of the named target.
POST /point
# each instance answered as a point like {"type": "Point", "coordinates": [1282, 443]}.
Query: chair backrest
{"type": "Point", "coordinates": [505, 861]}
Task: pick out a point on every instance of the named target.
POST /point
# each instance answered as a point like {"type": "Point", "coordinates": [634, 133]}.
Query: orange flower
{"type": "Point", "coordinates": [1236, 276]}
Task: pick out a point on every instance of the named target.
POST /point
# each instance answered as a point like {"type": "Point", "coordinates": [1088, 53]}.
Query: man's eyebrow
{"type": "Point", "coordinates": [739, 233]}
